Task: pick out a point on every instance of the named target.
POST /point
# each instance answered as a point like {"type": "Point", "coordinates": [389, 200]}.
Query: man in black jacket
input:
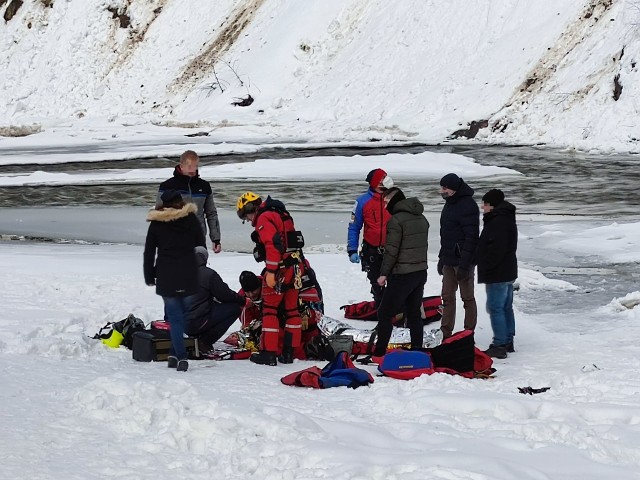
{"type": "Point", "coordinates": [213, 308]}
{"type": "Point", "coordinates": [404, 268]}
{"type": "Point", "coordinates": [459, 229]}
{"type": "Point", "coordinates": [195, 190]}
{"type": "Point", "coordinates": [498, 268]}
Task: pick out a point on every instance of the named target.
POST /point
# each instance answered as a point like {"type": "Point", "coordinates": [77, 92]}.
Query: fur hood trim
{"type": "Point", "coordinates": [171, 214]}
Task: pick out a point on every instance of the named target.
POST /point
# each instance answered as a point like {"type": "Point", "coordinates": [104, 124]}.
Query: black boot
{"type": "Point", "coordinates": [286, 356]}
{"type": "Point", "coordinates": [172, 362]}
{"type": "Point", "coordinates": [510, 348]}
{"type": "Point", "coordinates": [183, 366]}
{"type": "Point", "coordinates": [287, 349]}
{"type": "Point", "coordinates": [264, 357]}
{"type": "Point", "coordinates": [497, 351]}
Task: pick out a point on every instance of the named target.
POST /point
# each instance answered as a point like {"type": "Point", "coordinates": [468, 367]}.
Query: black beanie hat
{"type": "Point", "coordinates": [170, 197]}
{"type": "Point", "coordinates": [249, 281]}
{"type": "Point", "coordinates": [451, 181]}
{"type": "Point", "coordinates": [394, 195]}
{"type": "Point", "coordinates": [493, 197]}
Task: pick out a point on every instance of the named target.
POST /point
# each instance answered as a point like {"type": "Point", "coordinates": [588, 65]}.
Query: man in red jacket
{"type": "Point", "coordinates": [279, 245]}
{"type": "Point", "coordinates": [370, 212]}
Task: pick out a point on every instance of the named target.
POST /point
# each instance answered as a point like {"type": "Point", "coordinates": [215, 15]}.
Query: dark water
{"type": "Point", "coordinates": [553, 182]}
{"type": "Point", "coordinates": [588, 188]}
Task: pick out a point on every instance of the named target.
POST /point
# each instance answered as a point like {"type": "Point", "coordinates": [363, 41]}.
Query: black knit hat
{"type": "Point", "coordinates": [493, 197]}
{"type": "Point", "coordinates": [249, 281]}
{"type": "Point", "coordinates": [170, 197]}
{"type": "Point", "coordinates": [451, 181]}
{"type": "Point", "coordinates": [394, 195]}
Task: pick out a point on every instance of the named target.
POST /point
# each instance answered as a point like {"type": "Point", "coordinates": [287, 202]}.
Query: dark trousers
{"type": "Point", "coordinates": [371, 258]}
{"type": "Point", "coordinates": [403, 293]}
{"type": "Point", "coordinates": [211, 328]}
{"type": "Point", "coordinates": [176, 309]}
{"type": "Point", "coordinates": [450, 286]}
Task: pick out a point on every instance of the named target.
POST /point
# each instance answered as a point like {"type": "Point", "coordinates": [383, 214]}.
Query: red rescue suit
{"type": "Point", "coordinates": [273, 225]}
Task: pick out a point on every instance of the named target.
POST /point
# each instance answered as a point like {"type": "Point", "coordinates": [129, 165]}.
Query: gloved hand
{"type": "Point", "coordinates": [354, 257]}
{"type": "Point", "coordinates": [440, 267]}
{"type": "Point", "coordinates": [462, 274]}
{"type": "Point", "coordinates": [270, 279]}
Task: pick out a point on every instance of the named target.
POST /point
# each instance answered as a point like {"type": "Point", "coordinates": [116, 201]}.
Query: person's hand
{"type": "Point", "coordinates": [462, 274]}
{"type": "Point", "coordinates": [440, 267]}
{"type": "Point", "coordinates": [382, 280]}
{"type": "Point", "coordinates": [354, 257]}
{"type": "Point", "coordinates": [270, 279]}
{"type": "Point", "coordinates": [217, 248]}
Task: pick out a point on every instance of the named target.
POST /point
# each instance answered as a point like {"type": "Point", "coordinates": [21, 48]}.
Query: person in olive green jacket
{"type": "Point", "coordinates": [404, 268]}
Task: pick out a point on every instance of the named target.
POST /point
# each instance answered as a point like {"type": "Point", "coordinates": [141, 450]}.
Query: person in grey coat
{"type": "Point", "coordinates": [404, 268]}
{"type": "Point", "coordinates": [197, 190]}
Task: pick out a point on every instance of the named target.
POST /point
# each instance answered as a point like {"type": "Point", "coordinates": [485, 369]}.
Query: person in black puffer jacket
{"type": "Point", "coordinates": [404, 268]}
{"type": "Point", "coordinates": [214, 307]}
{"type": "Point", "coordinates": [174, 232]}
{"type": "Point", "coordinates": [459, 231]}
{"type": "Point", "coordinates": [498, 268]}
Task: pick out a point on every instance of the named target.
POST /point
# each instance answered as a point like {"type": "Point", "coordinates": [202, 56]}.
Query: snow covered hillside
{"type": "Point", "coordinates": [558, 72]}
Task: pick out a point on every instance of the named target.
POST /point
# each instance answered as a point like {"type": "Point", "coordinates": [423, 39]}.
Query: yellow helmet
{"type": "Point", "coordinates": [247, 203]}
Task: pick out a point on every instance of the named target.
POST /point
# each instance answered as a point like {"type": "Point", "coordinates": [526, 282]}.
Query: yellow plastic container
{"type": "Point", "coordinates": [114, 340]}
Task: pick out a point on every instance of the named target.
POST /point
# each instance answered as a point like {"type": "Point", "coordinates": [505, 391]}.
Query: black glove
{"type": "Point", "coordinates": [462, 274]}
{"type": "Point", "coordinates": [440, 266]}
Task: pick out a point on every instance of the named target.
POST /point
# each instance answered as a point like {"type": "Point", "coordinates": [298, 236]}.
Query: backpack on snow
{"type": "Point", "coordinates": [456, 355]}
{"type": "Point", "coordinates": [431, 310]}
{"type": "Point", "coordinates": [406, 364]}
{"type": "Point", "coordinates": [340, 372]}
{"type": "Point", "coordinates": [326, 348]}
{"type": "Point", "coordinates": [114, 334]}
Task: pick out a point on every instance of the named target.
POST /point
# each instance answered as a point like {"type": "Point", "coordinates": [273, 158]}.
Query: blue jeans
{"type": "Point", "coordinates": [500, 310]}
{"type": "Point", "coordinates": [176, 309]}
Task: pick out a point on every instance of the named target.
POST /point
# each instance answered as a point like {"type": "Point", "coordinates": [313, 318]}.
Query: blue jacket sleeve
{"type": "Point", "coordinates": [355, 225]}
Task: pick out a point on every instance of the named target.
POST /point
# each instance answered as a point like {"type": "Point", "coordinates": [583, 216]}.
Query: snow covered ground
{"type": "Point", "coordinates": [83, 86]}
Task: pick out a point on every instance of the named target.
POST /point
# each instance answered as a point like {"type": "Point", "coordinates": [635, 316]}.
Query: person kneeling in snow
{"type": "Point", "coordinates": [213, 308]}
{"type": "Point", "coordinates": [310, 307]}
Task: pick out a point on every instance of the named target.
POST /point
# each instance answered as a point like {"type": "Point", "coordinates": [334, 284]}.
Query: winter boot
{"type": "Point", "coordinates": [172, 362]}
{"type": "Point", "coordinates": [264, 357]}
{"type": "Point", "coordinates": [497, 351]}
{"type": "Point", "coordinates": [183, 366]}
{"type": "Point", "coordinates": [287, 350]}
{"type": "Point", "coordinates": [286, 356]}
{"type": "Point", "coordinates": [510, 348]}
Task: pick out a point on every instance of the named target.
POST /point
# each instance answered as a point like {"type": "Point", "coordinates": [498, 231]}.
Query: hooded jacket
{"type": "Point", "coordinates": [459, 228]}
{"type": "Point", "coordinates": [497, 262]}
{"type": "Point", "coordinates": [211, 289]}
{"type": "Point", "coordinates": [173, 234]}
{"type": "Point", "coordinates": [407, 239]}
{"type": "Point", "coordinates": [368, 212]}
{"type": "Point", "coordinates": [198, 191]}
